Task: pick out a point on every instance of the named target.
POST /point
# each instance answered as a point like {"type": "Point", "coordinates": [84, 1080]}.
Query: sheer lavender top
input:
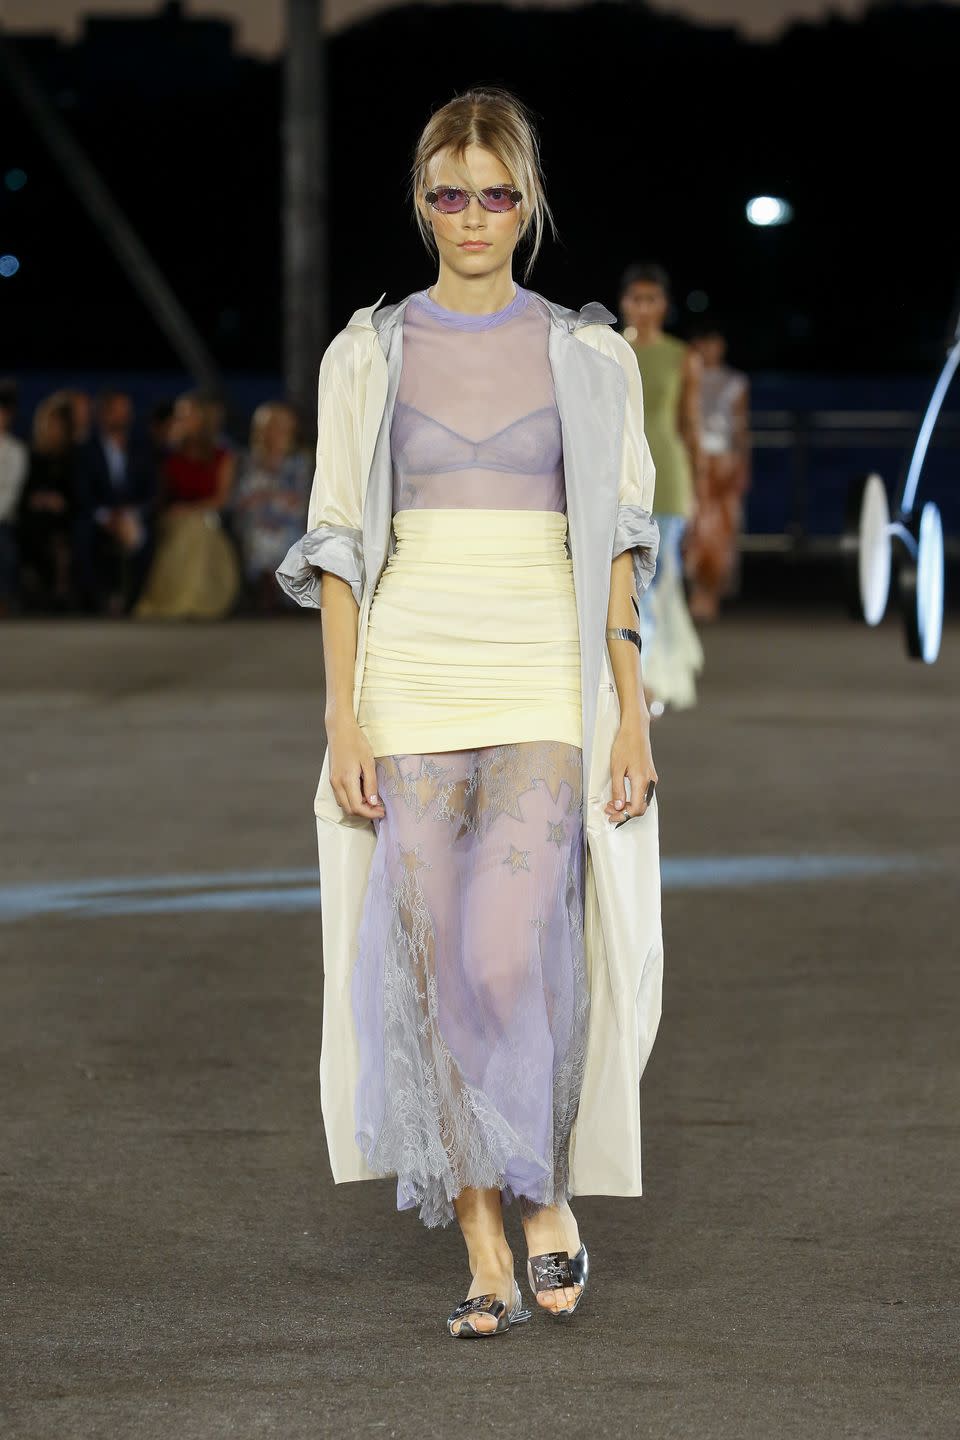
{"type": "Point", "coordinates": [476, 425]}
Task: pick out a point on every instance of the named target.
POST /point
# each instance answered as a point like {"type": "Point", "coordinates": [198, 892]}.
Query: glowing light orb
{"type": "Point", "coordinates": [767, 210]}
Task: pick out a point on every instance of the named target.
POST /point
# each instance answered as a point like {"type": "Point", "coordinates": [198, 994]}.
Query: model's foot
{"type": "Point", "coordinates": [550, 1230]}
{"type": "Point", "coordinates": [492, 1275]}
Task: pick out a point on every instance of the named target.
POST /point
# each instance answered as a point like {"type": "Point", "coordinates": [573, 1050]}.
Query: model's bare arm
{"type": "Point", "coordinates": [631, 755]}
{"type": "Point", "coordinates": [688, 420]}
{"type": "Point", "coordinates": [741, 437]}
{"type": "Point", "coordinates": [353, 773]}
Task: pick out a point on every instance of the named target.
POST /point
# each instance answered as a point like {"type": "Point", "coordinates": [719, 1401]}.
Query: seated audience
{"type": "Point", "coordinates": [46, 511]}
{"type": "Point", "coordinates": [270, 500]}
{"type": "Point", "coordinates": [194, 573]}
{"type": "Point", "coordinates": [14, 461]}
{"type": "Point", "coordinates": [115, 492]}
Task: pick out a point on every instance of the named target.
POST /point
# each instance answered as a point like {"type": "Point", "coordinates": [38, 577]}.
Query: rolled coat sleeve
{"type": "Point", "coordinates": [636, 528]}
{"type": "Point", "coordinates": [334, 537]}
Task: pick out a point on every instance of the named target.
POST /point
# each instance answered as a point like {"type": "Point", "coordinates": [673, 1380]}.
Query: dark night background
{"type": "Point", "coordinates": [655, 133]}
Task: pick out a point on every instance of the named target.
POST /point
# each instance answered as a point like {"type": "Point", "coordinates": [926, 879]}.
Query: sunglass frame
{"type": "Point", "coordinates": [431, 198]}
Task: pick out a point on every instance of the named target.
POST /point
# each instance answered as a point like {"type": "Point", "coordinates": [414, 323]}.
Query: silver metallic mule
{"type": "Point", "coordinates": [556, 1271]}
{"type": "Point", "coordinates": [487, 1305]}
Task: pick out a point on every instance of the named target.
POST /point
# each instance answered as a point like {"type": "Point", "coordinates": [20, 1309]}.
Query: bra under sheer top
{"type": "Point", "coordinates": [475, 424]}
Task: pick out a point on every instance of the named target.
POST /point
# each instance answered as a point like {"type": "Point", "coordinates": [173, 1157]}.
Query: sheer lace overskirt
{"type": "Point", "coordinates": [469, 992]}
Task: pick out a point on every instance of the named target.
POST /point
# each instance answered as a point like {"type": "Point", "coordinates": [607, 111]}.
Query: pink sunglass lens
{"type": "Point", "coordinates": [498, 198]}
{"type": "Point", "coordinates": [449, 201]}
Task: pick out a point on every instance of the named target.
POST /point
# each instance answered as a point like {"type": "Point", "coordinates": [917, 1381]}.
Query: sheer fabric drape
{"type": "Point", "coordinates": [469, 992]}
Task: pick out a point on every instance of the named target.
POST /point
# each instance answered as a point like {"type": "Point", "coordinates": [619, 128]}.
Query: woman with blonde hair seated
{"type": "Point", "coordinates": [270, 499]}
{"type": "Point", "coordinates": [195, 574]}
{"type": "Point", "coordinates": [45, 514]}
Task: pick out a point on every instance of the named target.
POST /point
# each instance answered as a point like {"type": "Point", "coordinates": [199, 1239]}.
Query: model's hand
{"type": "Point", "coordinates": [353, 769]}
{"type": "Point", "coordinates": [630, 758]}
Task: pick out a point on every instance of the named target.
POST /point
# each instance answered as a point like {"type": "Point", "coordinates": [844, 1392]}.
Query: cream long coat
{"type": "Point", "coordinates": [609, 478]}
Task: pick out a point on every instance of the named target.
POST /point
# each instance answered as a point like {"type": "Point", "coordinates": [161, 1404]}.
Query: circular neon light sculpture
{"type": "Point", "coordinates": [914, 541]}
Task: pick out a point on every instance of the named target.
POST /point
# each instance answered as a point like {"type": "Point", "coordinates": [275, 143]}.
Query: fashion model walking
{"type": "Point", "coordinates": [712, 547]}
{"type": "Point", "coordinates": [671, 385]}
{"type": "Point", "coordinates": [479, 530]}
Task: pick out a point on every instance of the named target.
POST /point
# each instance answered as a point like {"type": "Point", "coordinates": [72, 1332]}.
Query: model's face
{"type": "Point", "coordinates": [475, 241]}
{"type": "Point", "coordinates": [644, 305]}
{"type": "Point", "coordinates": [712, 349]}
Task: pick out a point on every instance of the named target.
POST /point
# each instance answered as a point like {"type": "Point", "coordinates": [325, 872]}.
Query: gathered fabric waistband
{"type": "Point", "coordinates": [454, 537]}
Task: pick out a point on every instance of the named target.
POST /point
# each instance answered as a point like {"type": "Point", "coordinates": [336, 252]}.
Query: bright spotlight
{"type": "Point", "coordinates": [9, 265]}
{"type": "Point", "coordinates": [769, 210]}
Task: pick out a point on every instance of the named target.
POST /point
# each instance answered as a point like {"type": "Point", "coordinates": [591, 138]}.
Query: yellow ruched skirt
{"type": "Point", "coordinates": [472, 637]}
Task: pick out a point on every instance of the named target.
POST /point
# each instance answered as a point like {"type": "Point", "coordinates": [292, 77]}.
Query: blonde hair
{"type": "Point", "coordinates": [496, 120]}
{"type": "Point", "coordinates": [261, 418]}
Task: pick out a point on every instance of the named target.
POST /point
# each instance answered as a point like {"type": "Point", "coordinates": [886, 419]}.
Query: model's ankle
{"type": "Point", "coordinates": [490, 1255]}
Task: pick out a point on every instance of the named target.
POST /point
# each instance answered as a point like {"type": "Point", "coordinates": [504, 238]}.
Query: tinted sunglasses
{"type": "Point", "coordinates": [450, 199]}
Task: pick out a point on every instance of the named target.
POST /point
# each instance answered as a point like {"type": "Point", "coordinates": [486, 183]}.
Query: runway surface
{"type": "Point", "coordinates": [176, 1261]}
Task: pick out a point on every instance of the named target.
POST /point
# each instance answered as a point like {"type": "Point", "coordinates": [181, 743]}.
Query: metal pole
{"type": "Point", "coordinates": [305, 207]}
{"type": "Point", "coordinates": [132, 254]}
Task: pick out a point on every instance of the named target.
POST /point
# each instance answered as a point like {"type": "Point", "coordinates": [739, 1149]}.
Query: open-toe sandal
{"type": "Point", "coordinates": [487, 1305]}
{"type": "Point", "coordinates": [557, 1271]}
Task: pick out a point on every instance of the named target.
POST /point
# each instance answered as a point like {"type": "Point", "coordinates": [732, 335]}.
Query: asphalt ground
{"type": "Point", "coordinates": [176, 1261]}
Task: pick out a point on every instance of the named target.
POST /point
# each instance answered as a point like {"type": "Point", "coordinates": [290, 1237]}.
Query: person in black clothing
{"type": "Point", "coordinates": [116, 490]}
{"type": "Point", "coordinates": [46, 509]}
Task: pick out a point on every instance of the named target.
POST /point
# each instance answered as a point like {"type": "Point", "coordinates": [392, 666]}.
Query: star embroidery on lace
{"type": "Point", "coordinates": [556, 833]}
{"type": "Point", "coordinates": [420, 791]}
{"type": "Point", "coordinates": [454, 806]}
{"type": "Point", "coordinates": [412, 860]}
{"type": "Point", "coordinates": [495, 787]}
{"type": "Point", "coordinates": [517, 860]}
{"type": "Point", "coordinates": [557, 765]}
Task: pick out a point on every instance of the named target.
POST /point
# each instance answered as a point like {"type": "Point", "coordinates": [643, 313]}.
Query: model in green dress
{"type": "Point", "coordinates": [670, 371]}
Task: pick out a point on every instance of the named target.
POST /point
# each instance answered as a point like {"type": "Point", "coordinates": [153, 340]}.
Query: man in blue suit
{"type": "Point", "coordinates": [116, 494]}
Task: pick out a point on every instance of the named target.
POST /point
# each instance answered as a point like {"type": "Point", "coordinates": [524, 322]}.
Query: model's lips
{"type": "Point", "coordinates": [475, 245]}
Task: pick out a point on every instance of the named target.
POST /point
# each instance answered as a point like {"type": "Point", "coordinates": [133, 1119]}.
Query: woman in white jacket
{"type": "Point", "coordinates": [481, 506]}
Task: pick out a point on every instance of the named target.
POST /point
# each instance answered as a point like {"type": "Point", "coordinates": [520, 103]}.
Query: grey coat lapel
{"type": "Point", "coordinates": [378, 497]}
{"type": "Point", "coordinates": [591, 396]}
